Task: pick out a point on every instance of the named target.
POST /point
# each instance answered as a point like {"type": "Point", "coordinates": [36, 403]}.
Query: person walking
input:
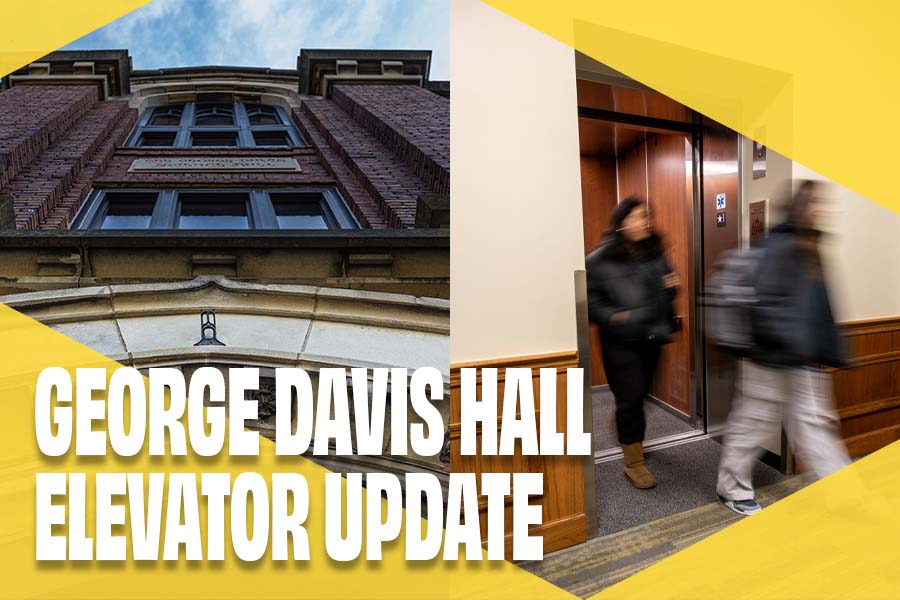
{"type": "Point", "coordinates": [793, 332]}
{"type": "Point", "coordinates": [630, 289]}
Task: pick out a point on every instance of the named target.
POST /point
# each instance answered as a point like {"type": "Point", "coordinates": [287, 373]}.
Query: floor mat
{"type": "Point", "coordinates": [590, 567]}
{"type": "Point", "coordinates": [660, 422]}
{"type": "Point", "coordinates": [687, 479]}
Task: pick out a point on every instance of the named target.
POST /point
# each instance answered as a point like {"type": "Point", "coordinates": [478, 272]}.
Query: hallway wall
{"type": "Point", "coordinates": [517, 237]}
{"type": "Point", "coordinates": [863, 254]}
{"type": "Point", "coordinates": [863, 251]}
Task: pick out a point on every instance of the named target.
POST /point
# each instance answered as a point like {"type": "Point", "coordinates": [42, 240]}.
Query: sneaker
{"type": "Point", "coordinates": [741, 507]}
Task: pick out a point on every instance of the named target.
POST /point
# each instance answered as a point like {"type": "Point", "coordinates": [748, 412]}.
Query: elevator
{"type": "Point", "coordinates": [634, 141]}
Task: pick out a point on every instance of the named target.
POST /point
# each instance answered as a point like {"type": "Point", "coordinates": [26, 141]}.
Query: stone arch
{"type": "Point", "coordinates": [149, 92]}
{"type": "Point", "coordinates": [262, 325]}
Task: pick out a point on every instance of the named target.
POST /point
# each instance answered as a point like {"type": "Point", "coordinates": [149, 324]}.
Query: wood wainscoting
{"type": "Point", "coordinates": [564, 520]}
{"type": "Point", "coordinates": [867, 393]}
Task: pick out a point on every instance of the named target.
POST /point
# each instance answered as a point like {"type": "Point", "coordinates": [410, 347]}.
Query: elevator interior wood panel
{"type": "Point", "coordinates": [670, 195]}
{"type": "Point", "coordinates": [619, 160]}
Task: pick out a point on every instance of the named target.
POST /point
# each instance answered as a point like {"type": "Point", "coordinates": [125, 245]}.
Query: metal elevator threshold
{"type": "Point", "coordinates": [669, 441]}
{"type": "Point", "coordinates": [665, 428]}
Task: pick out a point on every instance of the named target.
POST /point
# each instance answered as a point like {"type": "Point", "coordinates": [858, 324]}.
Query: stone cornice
{"type": "Point", "coordinates": [394, 311]}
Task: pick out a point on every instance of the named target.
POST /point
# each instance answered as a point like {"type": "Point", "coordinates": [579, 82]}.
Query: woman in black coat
{"type": "Point", "coordinates": [630, 292]}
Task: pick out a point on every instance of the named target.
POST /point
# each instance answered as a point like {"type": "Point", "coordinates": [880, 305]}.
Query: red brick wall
{"type": "Point", "coordinates": [33, 117]}
{"type": "Point", "coordinates": [60, 137]}
{"type": "Point", "coordinates": [313, 174]}
{"type": "Point", "coordinates": [367, 211]}
{"type": "Point", "coordinates": [388, 179]}
{"type": "Point", "coordinates": [117, 175]}
{"type": "Point", "coordinates": [63, 213]}
{"type": "Point", "coordinates": [382, 151]}
{"type": "Point", "coordinates": [412, 121]}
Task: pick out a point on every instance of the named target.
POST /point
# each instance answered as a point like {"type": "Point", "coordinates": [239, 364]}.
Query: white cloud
{"type": "Point", "coordinates": [270, 33]}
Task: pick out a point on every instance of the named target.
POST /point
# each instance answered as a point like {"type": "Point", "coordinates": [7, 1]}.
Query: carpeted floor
{"type": "Point", "coordinates": [687, 479]}
{"type": "Point", "coordinates": [660, 422]}
{"type": "Point", "coordinates": [593, 566]}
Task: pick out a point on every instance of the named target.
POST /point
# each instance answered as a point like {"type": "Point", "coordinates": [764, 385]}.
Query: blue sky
{"type": "Point", "coordinates": [270, 33]}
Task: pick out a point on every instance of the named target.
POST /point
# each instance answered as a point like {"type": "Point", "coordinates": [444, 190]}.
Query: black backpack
{"type": "Point", "coordinates": [730, 296]}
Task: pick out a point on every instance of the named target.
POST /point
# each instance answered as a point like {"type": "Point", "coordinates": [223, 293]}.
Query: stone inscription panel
{"type": "Point", "coordinates": [219, 164]}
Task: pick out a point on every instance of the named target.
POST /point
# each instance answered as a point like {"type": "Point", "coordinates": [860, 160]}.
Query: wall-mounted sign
{"type": "Point", "coordinates": [759, 160]}
{"type": "Point", "coordinates": [720, 201]}
{"type": "Point", "coordinates": [758, 221]}
{"type": "Point", "coordinates": [720, 219]}
{"type": "Point", "coordinates": [226, 164]}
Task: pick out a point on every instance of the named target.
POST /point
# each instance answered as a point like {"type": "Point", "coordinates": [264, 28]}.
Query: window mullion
{"type": "Point", "coordinates": [245, 137]}
{"type": "Point", "coordinates": [285, 116]}
{"type": "Point", "coordinates": [263, 212]}
{"type": "Point", "coordinates": [138, 129]}
{"type": "Point", "coordinates": [164, 211]}
{"type": "Point", "coordinates": [184, 129]}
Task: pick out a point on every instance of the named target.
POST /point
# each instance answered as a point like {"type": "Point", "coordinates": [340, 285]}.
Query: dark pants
{"type": "Point", "coordinates": [629, 370]}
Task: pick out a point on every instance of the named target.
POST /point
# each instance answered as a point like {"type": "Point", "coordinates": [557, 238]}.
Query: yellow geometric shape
{"type": "Point", "coordinates": [34, 28]}
{"type": "Point", "coordinates": [836, 538]}
{"type": "Point", "coordinates": [813, 81]}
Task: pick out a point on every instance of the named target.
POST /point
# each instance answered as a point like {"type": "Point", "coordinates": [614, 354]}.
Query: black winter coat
{"type": "Point", "coordinates": [619, 281]}
{"type": "Point", "coordinates": [793, 324]}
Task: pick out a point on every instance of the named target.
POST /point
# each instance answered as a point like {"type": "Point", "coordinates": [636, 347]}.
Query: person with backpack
{"type": "Point", "coordinates": [630, 288]}
{"type": "Point", "coordinates": [793, 334]}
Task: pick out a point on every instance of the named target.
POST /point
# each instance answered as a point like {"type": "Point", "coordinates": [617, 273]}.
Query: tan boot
{"type": "Point", "coordinates": [635, 470]}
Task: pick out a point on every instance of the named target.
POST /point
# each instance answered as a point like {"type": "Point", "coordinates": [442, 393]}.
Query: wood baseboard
{"type": "Point", "coordinates": [867, 392]}
{"type": "Point", "coordinates": [563, 503]}
{"type": "Point", "coordinates": [557, 534]}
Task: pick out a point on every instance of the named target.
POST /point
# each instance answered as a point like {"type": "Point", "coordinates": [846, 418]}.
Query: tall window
{"type": "Point", "coordinates": [215, 209]}
{"type": "Point", "coordinates": [235, 124]}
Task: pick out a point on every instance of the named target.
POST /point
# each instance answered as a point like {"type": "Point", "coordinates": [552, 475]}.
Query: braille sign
{"type": "Point", "coordinates": [720, 219]}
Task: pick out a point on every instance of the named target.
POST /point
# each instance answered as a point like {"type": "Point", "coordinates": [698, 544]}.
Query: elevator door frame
{"type": "Point", "coordinates": [697, 385]}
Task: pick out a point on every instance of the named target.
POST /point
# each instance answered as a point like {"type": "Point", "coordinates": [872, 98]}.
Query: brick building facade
{"type": "Point", "coordinates": [306, 209]}
{"type": "Point", "coordinates": [377, 131]}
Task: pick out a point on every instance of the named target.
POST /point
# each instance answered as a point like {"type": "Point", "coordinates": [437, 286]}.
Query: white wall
{"type": "Point", "coordinates": [863, 250]}
{"type": "Point", "coordinates": [516, 236]}
{"type": "Point", "coordinates": [863, 254]}
{"type": "Point", "coordinates": [778, 173]}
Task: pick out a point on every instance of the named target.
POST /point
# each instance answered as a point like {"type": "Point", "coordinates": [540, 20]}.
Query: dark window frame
{"type": "Point", "coordinates": [248, 201]}
{"type": "Point", "coordinates": [242, 126]}
{"type": "Point", "coordinates": [261, 213]}
{"type": "Point", "coordinates": [214, 131]}
{"type": "Point", "coordinates": [103, 211]}
{"type": "Point", "coordinates": [331, 206]}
